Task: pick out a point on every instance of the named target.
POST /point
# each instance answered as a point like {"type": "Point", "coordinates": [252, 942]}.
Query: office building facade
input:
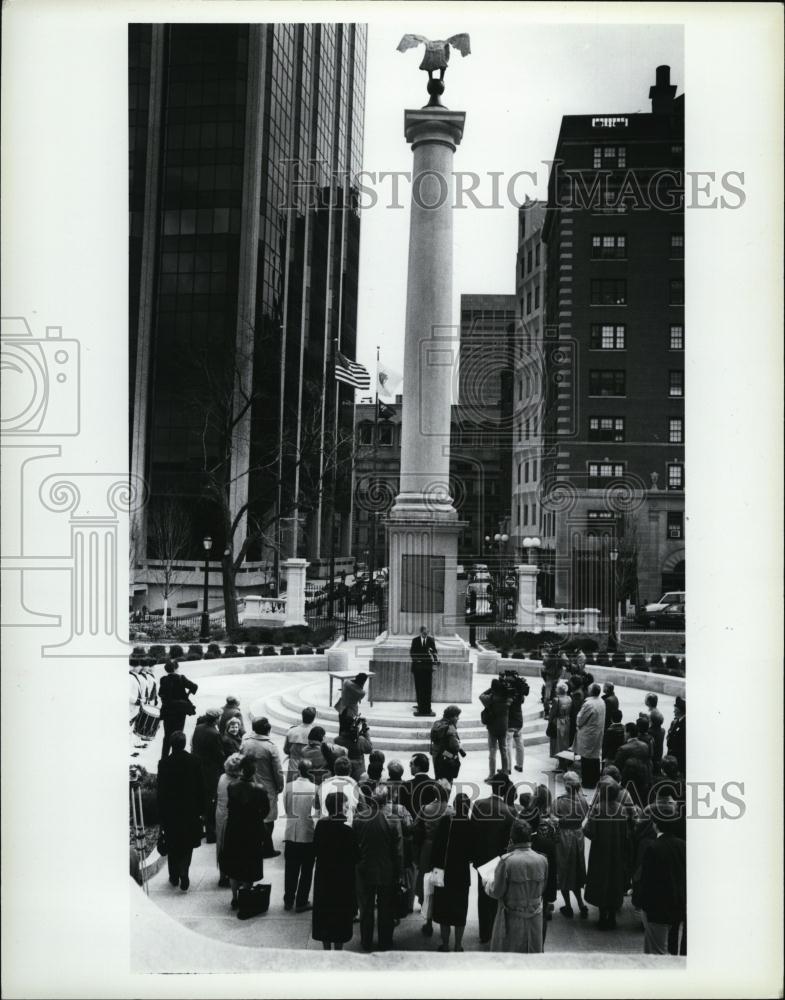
{"type": "Point", "coordinates": [244, 255]}
{"type": "Point", "coordinates": [613, 473]}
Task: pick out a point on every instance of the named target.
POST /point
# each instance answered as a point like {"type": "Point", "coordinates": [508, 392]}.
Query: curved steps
{"type": "Point", "coordinates": [389, 731]}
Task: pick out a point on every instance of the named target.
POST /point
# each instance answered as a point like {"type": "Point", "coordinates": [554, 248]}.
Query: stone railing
{"type": "Point", "coordinates": [567, 620]}
{"type": "Point", "coordinates": [263, 611]}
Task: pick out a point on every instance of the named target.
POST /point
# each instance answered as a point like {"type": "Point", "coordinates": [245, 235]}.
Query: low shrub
{"type": "Point", "coordinates": [190, 657]}
{"type": "Point", "coordinates": [549, 639]}
{"type": "Point", "coordinates": [210, 655]}
{"type": "Point", "coordinates": [320, 650]}
{"type": "Point", "coordinates": [603, 659]}
{"type": "Point", "coordinates": [518, 654]}
{"type": "Point", "coordinates": [672, 663]}
{"type": "Point", "coordinates": [525, 640]}
{"type": "Point", "coordinates": [638, 662]}
{"type": "Point", "coordinates": [231, 650]}
{"type": "Point", "coordinates": [218, 633]}
{"type": "Point", "coordinates": [269, 651]}
{"type": "Point", "coordinates": [322, 636]}
{"type": "Point", "coordinates": [296, 635]}
{"type": "Point", "coordinates": [196, 651]}
{"type": "Point", "coordinates": [591, 658]}
{"type": "Point", "coordinates": [175, 651]}
{"type": "Point", "coordinates": [287, 650]}
{"type": "Point", "coordinates": [683, 664]}
{"type": "Point", "coordinates": [138, 651]}
{"type": "Point", "coordinates": [619, 660]}
{"type": "Point", "coordinates": [213, 647]}
{"type": "Point", "coordinates": [304, 650]}
{"type": "Point", "coordinates": [251, 650]}
{"type": "Point", "coordinates": [158, 653]}
{"type": "Point", "coordinates": [581, 642]}
{"type": "Point", "coordinates": [655, 663]}
{"type": "Point", "coordinates": [501, 638]}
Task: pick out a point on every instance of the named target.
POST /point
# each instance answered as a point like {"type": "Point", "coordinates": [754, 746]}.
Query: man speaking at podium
{"type": "Point", "coordinates": [424, 657]}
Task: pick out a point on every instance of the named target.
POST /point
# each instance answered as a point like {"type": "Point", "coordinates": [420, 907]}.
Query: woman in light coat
{"type": "Point", "coordinates": [518, 884]}
{"type": "Point", "coordinates": [570, 811]}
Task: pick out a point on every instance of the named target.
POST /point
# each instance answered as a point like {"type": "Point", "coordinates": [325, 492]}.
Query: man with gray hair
{"type": "Point", "coordinates": [378, 869]}
{"type": "Point", "coordinates": [258, 746]}
{"type": "Point", "coordinates": [341, 781]}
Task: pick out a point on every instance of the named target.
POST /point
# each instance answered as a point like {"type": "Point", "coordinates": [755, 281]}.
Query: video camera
{"type": "Point", "coordinates": [515, 685]}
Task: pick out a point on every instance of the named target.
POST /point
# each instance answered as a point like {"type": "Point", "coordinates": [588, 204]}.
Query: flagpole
{"type": "Point", "coordinates": [372, 512]}
{"type": "Point", "coordinates": [331, 522]}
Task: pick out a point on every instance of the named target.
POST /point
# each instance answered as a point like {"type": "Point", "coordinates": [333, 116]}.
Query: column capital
{"type": "Point", "coordinates": [434, 125]}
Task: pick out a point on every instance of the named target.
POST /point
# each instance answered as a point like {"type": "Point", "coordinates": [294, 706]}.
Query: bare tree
{"type": "Point", "coordinates": [295, 472]}
{"type": "Point", "coordinates": [170, 536]}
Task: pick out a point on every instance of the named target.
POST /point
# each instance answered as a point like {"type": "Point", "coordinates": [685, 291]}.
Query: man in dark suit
{"type": "Point", "coordinates": [208, 749]}
{"type": "Point", "coordinates": [379, 843]}
{"type": "Point", "coordinates": [611, 703]}
{"type": "Point", "coordinates": [491, 821]}
{"type": "Point", "coordinates": [420, 789]}
{"type": "Point", "coordinates": [662, 891]}
{"type": "Point", "coordinates": [424, 656]}
{"type": "Point", "coordinates": [180, 805]}
{"type": "Point", "coordinates": [677, 734]}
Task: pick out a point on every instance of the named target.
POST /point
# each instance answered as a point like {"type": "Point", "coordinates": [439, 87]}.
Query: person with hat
{"type": "Point", "coordinates": [491, 820]}
{"type": "Point", "coordinates": [570, 810]}
{"type": "Point", "coordinates": [677, 733]}
{"type": "Point", "coordinates": [232, 769]}
{"type": "Point", "coordinates": [173, 690]}
{"type": "Point", "coordinates": [446, 749]}
{"type": "Point", "coordinates": [207, 747]}
{"type": "Point", "coordinates": [258, 746]}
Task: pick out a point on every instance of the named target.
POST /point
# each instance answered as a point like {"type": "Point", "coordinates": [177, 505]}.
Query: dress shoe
{"type": "Point", "coordinates": [185, 883]}
{"type": "Point", "coordinates": [519, 769]}
{"type": "Point", "coordinates": [427, 930]}
{"type": "Point", "coordinates": [303, 909]}
{"type": "Point", "coordinates": [288, 906]}
{"type": "Point", "coordinates": [271, 854]}
{"type": "Point", "coordinates": [234, 904]}
{"type": "Point", "coordinates": [174, 880]}
{"type": "Point", "coordinates": [566, 911]}
{"type": "Point", "coordinates": [223, 882]}
{"type": "Point", "coordinates": [584, 910]}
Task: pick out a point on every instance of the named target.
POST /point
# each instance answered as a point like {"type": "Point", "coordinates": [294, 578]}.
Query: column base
{"type": "Point", "coordinates": [392, 669]}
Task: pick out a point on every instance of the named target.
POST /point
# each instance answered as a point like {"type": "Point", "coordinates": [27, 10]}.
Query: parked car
{"type": "Point", "coordinates": [670, 616]}
{"type": "Point", "coordinates": [671, 597]}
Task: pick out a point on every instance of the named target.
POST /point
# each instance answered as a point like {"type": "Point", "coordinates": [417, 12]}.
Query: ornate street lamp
{"type": "Point", "coordinates": [612, 636]}
{"type": "Point", "coordinates": [207, 542]}
{"type": "Point", "coordinates": [531, 544]}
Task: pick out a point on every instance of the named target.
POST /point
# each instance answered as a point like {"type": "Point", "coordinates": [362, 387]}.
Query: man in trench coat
{"type": "Point", "coordinates": [589, 731]}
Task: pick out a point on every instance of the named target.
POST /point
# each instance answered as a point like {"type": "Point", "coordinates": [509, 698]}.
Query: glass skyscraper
{"type": "Point", "coordinates": [241, 284]}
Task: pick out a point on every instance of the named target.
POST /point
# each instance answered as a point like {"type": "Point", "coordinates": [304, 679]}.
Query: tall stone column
{"type": "Point", "coordinates": [525, 611]}
{"type": "Point", "coordinates": [423, 524]}
{"type": "Point", "coordinates": [295, 591]}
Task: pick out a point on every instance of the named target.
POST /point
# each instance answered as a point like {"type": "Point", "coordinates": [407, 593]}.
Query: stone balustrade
{"type": "Point", "coordinates": [567, 620]}
{"type": "Point", "coordinates": [263, 611]}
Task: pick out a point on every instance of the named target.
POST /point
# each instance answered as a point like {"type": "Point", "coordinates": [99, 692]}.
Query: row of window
{"type": "Point", "coordinates": [613, 337]}
{"type": "Point", "coordinates": [524, 468]}
{"type": "Point", "coordinates": [675, 519]}
{"type": "Point", "coordinates": [613, 246]}
{"type": "Point", "coordinates": [532, 259]}
{"type": "Point", "coordinates": [612, 429]}
{"type": "Point", "coordinates": [385, 437]}
{"type": "Point", "coordinates": [529, 300]}
{"type": "Point", "coordinates": [613, 382]}
{"type": "Point", "coordinates": [525, 512]}
{"type": "Point", "coordinates": [609, 156]}
{"type": "Point", "coordinates": [613, 292]}
{"type": "Point", "coordinates": [615, 470]}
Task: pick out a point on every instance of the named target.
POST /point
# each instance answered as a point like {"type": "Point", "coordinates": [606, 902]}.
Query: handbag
{"type": "Point", "coordinates": [161, 843]}
{"type": "Point", "coordinates": [401, 901]}
{"type": "Point", "coordinates": [253, 900]}
{"type": "Point", "coordinates": [550, 730]}
{"type": "Point", "coordinates": [427, 896]}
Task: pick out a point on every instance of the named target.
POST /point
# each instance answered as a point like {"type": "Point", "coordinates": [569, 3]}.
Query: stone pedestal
{"type": "Point", "coordinates": [526, 608]}
{"type": "Point", "coordinates": [423, 524]}
{"type": "Point", "coordinates": [294, 571]}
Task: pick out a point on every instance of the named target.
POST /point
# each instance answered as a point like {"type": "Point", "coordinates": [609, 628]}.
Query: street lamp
{"type": "Point", "coordinates": [531, 543]}
{"type": "Point", "coordinates": [612, 636]}
{"type": "Point", "coordinates": [207, 542]}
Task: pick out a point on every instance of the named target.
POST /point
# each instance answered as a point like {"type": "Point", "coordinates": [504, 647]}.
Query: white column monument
{"type": "Point", "coordinates": [294, 569]}
{"type": "Point", "coordinates": [525, 611]}
{"type": "Point", "coordinates": [423, 524]}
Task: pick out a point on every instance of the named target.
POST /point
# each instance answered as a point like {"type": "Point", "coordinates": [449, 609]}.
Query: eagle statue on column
{"type": "Point", "coordinates": [437, 53]}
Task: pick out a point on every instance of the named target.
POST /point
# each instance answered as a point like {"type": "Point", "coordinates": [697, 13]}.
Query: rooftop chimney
{"type": "Point", "coordinates": [662, 93]}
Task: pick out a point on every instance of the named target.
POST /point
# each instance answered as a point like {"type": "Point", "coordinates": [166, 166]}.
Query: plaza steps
{"type": "Point", "coordinates": [389, 731]}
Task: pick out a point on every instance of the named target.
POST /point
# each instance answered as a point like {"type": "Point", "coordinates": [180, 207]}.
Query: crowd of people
{"type": "Point", "coordinates": [362, 843]}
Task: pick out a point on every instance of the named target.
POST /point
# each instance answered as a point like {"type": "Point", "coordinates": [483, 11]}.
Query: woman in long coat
{"type": "Point", "coordinates": [247, 809]}
{"type": "Point", "coordinates": [559, 719]}
{"type": "Point", "coordinates": [453, 850]}
{"type": "Point", "coordinates": [570, 811]}
{"type": "Point", "coordinates": [334, 894]}
{"type": "Point", "coordinates": [608, 830]}
{"type": "Point", "coordinates": [173, 690]}
{"type": "Point", "coordinates": [232, 769]}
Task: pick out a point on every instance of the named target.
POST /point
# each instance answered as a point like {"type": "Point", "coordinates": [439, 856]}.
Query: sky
{"type": "Point", "coordinates": [516, 85]}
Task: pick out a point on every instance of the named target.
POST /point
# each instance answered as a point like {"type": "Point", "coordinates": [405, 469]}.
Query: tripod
{"type": "Point", "coordinates": [138, 830]}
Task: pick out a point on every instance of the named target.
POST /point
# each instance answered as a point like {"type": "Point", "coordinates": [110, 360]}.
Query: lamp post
{"type": "Point", "coordinates": [612, 637]}
{"type": "Point", "coordinates": [204, 632]}
{"type": "Point", "coordinates": [531, 544]}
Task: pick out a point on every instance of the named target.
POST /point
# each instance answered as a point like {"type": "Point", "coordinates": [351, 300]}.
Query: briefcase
{"type": "Point", "coordinates": [253, 901]}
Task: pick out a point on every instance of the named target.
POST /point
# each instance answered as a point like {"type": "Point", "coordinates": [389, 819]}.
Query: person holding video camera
{"type": "Point", "coordinates": [355, 740]}
{"type": "Point", "coordinates": [495, 716]}
{"type": "Point", "coordinates": [446, 749]}
{"type": "Point", "coordinates": [519, 689]}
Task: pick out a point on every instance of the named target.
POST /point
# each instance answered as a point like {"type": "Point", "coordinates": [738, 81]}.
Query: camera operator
{"type": "Point", "coordinates": [354, 737]}
{"type": "Point", "coordinates": [446, 748]}
{"type": "Point", "coordinates": [495, 717]}
{"type": "Point", "coordinates": [519, 689]}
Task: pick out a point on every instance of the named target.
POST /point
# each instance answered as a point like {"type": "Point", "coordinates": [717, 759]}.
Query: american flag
{"type": "Point", "coordinates": [351, 372]}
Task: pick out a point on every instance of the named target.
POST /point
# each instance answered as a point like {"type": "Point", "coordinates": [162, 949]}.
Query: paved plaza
{"type": "Point", "coordinates": [205, 908]}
